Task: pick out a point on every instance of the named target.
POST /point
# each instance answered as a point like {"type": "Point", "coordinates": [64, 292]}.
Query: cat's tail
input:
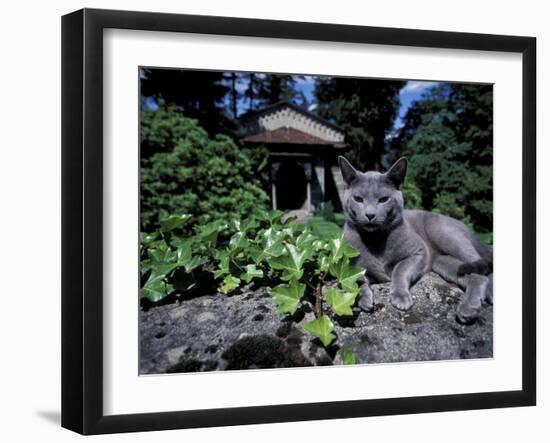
{"type": "Point", "coordinates": [483, 266]}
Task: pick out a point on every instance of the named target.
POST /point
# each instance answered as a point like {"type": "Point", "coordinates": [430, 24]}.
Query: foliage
{"type": "Point", "coordinates": [260, 89]}
{"type": "Point", "coordinates": [323, 228]}
{"type": "Point", "coordinates": [192, 173]}
{"type": "Point", "coordinates": [446, 203]}
{"type": "Point", "coordinates": [276, 87]}
{"type": "Point", "coordinates": [327, 212]}
{"type": "Point", "coordinates": [323, 328]}
{"type": "Point", "coordinates": [197, 94]}
{"type": "Point", "coordinates": [348, 357]}
{"type": "Point", "coordinates": [325, 222]}
{"type": "Point", "coordinates": [447, 137]}
{"type": "Point", "coordinates": [261, 250]}
{"type": "Point", "coordinates": [411, 194]}
{"type": "Point", "coordinates": [365, 109]}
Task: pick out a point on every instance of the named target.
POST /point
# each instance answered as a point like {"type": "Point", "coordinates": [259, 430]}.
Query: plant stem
{"type": "Point", "coordinates": [310, 285]}
{"type": "Point", "coordinates": [236, 264]}
{"type": "Point", "coordinates": [318, 310]}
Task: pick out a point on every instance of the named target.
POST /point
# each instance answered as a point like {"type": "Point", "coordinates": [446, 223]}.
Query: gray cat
{"type": "Point", "coordinates": [401, 245]}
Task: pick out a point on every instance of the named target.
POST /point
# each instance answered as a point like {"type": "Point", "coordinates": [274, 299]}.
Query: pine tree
{"type": "Point", "coordinates": [365, 109]}
{"type": "Point", "coordinates": [198, 94]}
{"type": "Point", "coordinates": [448, 138]}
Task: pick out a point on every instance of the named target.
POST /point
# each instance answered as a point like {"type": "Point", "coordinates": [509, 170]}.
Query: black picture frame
{"type": "Point", "coordinates": [82, 216]}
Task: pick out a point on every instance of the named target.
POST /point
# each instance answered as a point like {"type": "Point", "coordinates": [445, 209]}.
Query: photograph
{"type": "Point", "coordinates": [295, 220]}
{"type": "Point", "coordinates": [272, 220]}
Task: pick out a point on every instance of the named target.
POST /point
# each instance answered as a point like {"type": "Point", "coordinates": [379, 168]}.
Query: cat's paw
{"type": "Point", "coordinates": [489, 291]}
{"type": "Point", "coordinates": [366, 299]}
{"type": "Point", "coordinates": [489, 296]}
{"type": "Point", "coordinates": [468, 312]}
{"type": "Point", "coordinates": [402, 300]}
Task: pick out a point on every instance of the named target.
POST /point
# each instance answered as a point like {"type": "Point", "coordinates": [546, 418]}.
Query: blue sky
{"type": "Point", "coordinates": [411, 92]}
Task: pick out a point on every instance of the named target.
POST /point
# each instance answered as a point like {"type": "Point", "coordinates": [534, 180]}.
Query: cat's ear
{"type": "Point", "coordinates": [348, 172]}
{"type": "Point", "coordinates": [397, 172]}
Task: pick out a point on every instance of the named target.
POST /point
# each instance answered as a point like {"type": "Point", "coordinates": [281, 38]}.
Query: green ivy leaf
{"type": "Point", "coordinates": [271, 217]}
{"type": "Point", "coordinates": [183, 254]}
{"type": "Point", "coordinates": [223, 268]}
{"type": "Point", "coordinates": [145, 265]}
{"type": "Point", "coordinates": [341, 248]}
{"type": "Point", "coordinates": [229, 284]}
{"type": "Point", "coordinates": [162, 254]}
{"type": "Point", "coordinates": [174, 221]}
{"type": "Point", "coordinates": [195, 262]}
{"type": "Point", "coordinates": [155, 289]}
{"type": "Point", "coordinates": [185, 258]}
{"type": "Point", "coordinates": [305, 242]}
{"type": "Point", "coordinates": [251, 272]}
{"type": "Point", "coordinates": [288, 296]}
{"type": "Point", "coordinates": [238, 241]}
{"type": "Point", "coordinates": [208, 233]}
{"type": "Point", "coordinates": [235, 224]}
{"type": "Point", "coordinates": [161, 261]}
{"type": "Point", "coordinates": [161, 269]}
{"type": "Point", "coordinates": [289, 230]}
{"type": "Point", "coordinates": [341, 302]}
{"type": "Point", "coordinates": [272, 236]}
{"type": "Point", "coordinates": [323, 263]}
{"type": "Point", "coordinates": [146, 238]}
{"type": "Point", "coordinates": [322, 328]}
{"type": "Point", "coordinates": [348, 357]}
{"type": "Point", "coordinates": [291, 263]}
{"type": "Point", "coordinates": [305, 238]}
{"type": "Point", "coordinates": [243, 225]}
{"type": "Point", "coordinates": [347, 275]}
{"type": "Point", "coordinates": [260, 254]}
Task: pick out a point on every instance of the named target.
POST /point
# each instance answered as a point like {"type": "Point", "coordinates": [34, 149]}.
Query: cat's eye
{"type": "Point", "coordinates": [383, 199]}
{"type": "Point", "coordinates": [358, 199]}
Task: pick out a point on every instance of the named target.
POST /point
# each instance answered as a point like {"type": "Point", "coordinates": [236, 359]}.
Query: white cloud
{"type": "Point", "coordinates": [417, 86]}
{"type": "Point", "coordinates": [241, 86]}
{"type": "Point", "coordinates": [306, 79]}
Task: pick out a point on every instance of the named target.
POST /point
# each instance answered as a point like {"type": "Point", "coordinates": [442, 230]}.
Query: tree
{"type": "Point", "coordinates": [365, 109]}
{"type": "Point", "coordinates": [267, 89]}
{"type": "Point", "coordinates": [234, 93]}
{"type": "Point", "coordinates": [210, 178]}
{"type": "Point", "coordinates": [198, 94]}
{"type": "Point", "coordinates": [447, 136]}
{"type": "Point", "coordinates": [277, 87]}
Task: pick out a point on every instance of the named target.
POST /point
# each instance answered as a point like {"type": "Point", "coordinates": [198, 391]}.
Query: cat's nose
{"type": "Point", "coordinates": [370, 216]}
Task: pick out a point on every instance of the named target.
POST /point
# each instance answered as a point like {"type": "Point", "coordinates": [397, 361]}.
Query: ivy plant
{"type": "Point", "coordinates": [264, 250]}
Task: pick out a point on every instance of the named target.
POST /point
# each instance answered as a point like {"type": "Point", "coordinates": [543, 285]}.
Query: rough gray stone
{"type": "Point", "coordinates": [218, 332]}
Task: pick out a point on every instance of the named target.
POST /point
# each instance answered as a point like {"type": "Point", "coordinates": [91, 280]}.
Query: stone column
{"type": "Point", "coordinates": [274, 169]}
{"type": "Point", "coordinates": [320, 173]}
{"type": "Point", "coordinates": [307, 171]}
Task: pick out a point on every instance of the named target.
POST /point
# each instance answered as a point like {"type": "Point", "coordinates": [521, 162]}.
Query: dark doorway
{"type": "Point", "coordinates": [291, 186]}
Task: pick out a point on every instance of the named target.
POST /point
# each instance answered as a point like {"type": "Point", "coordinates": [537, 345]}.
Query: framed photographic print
{"type": "Point", "coordinates": [269, 221]}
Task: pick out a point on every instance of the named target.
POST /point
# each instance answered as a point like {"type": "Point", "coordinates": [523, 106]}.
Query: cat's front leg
{"type": "Point", "coordinates": [366, 296]}
{"type": "Point", "coordinates": [405, 274]}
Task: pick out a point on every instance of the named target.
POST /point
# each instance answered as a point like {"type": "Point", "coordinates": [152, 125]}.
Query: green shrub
{"type": "Point", "coordinates": [326, 211]}
{"type": "Point", "coordinates": [412, 195]}
{"type": "Point", "coordinates": [185, 171]}
{"type": "Point", "coordinates": [446, 203]}
{"type": "Point", "coordinates": [448, 139]}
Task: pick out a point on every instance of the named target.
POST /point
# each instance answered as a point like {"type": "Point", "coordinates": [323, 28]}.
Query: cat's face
{"type": "Point", "coordinates": [373, 201]}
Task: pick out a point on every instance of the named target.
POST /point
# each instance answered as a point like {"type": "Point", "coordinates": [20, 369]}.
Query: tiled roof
{"type": "Point", "coordinates": [284, 104]}
{"type": "Point", "coordinates": [289, 136]}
